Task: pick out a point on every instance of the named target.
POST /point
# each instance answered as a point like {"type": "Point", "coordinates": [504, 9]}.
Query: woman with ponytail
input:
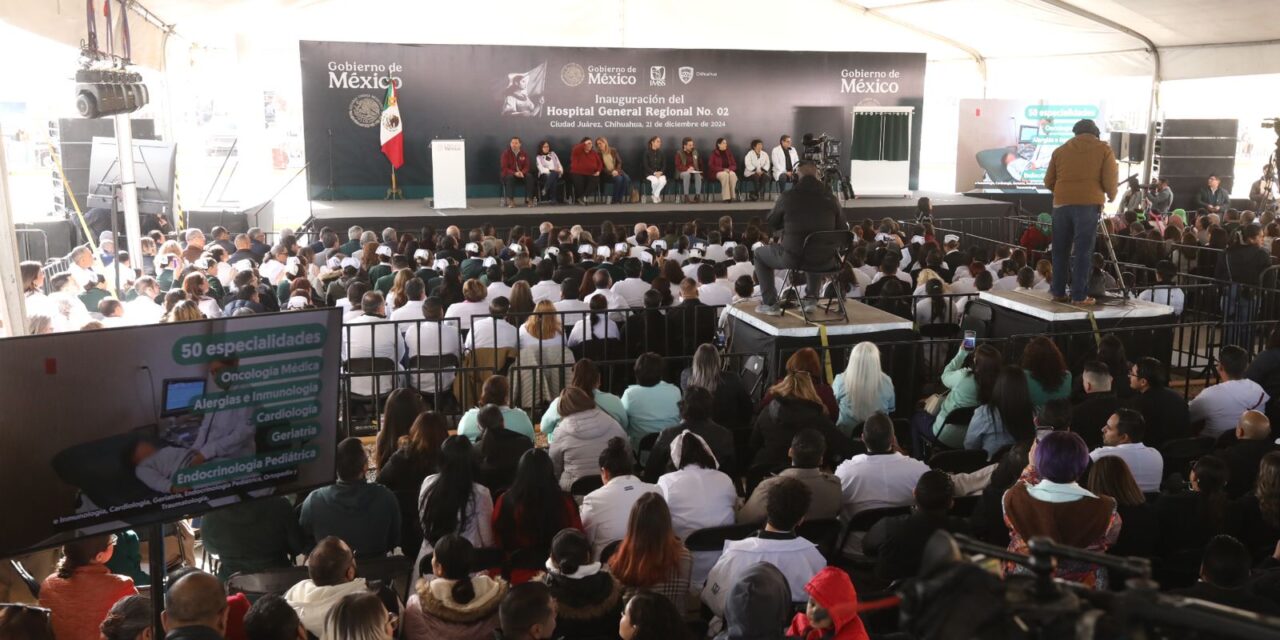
{"type": "Point", "coordinates": [588, 598]}
{"type": "Point", "coordinates": [454, 604]}
{"type": "Point", "coordinates": [83, 590]}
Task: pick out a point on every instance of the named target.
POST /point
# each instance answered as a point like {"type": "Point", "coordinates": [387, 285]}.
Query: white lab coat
{"type": "Point", "coordinates": [753, 162]}
{"type": "Point", "coordinates": [547, 290]}
{"type": "Point", "coordinates": [464, 310]}
{"type": "Point", "coordinates": [432, 339]}
{"type": "Point", "coordinates": [698, 498]}
{"type": "Point", "coordinates": [488, 333]}
{"type": "Point", "coordinates": [798, 559]}
{"type": "Point", "coordinates": [632, 290]}
{"type": "Point", "coordinates": [371, 337]}
{"type": "Point", "coordinates": [779, 160]}
{"type": "Point", "coordinates": [606, 511]}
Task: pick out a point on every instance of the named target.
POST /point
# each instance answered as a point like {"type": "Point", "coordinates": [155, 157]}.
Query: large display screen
{"type": "Point", "coordinates": [1011, 141]}
{"type": "Point", "coordinates": [109, 429]}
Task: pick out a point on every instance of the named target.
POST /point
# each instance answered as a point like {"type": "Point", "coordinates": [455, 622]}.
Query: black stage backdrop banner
{"type": "Point", "coordinates": [486, 94]}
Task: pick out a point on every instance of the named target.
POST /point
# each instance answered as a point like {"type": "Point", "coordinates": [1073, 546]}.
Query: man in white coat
{"type": "Point", "coordinates": [606, 511]}
{"type": "Point", "coordinates": [784, 159]}
{"type": "Point", "coordinates": [777, 544]}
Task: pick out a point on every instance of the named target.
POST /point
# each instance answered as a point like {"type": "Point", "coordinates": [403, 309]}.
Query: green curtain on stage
{"type": "Point", "coordinates": [882, 136]}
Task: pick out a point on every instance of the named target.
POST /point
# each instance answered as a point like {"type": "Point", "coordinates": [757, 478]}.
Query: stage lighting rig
{"type": "Point", "coordinates": [104, 85]}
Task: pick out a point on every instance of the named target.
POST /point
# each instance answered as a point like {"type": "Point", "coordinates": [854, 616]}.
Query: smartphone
{"type": "Point", "coordinates": [970, 340]}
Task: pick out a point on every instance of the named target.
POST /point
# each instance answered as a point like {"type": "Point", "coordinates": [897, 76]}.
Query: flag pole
{"type": "Point", "coordinates": [394, 193]}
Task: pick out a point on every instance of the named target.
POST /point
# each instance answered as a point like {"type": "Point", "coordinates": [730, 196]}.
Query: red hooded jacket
{"type": "Point", "coordinates": [832, 589]}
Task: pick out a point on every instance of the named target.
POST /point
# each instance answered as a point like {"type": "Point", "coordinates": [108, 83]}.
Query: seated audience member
{"type": "Point", "coordinates": [475, 303]}
{"type": "Point", "coordinates": [794, 404]}
{"type": "Point", "coordinates": [497, 392]}
{"type": "Point", "coordinates": [697, 492]}
{"type": "Point", "coordinates": [831, 611]}
{"type": "Point", "coordinates": [1166, 290]}
{"type": "Point", "coordinates": [454, 605]}
{"type": "Point", "coordinates": [1255, 518]}
{"type": "Point", "coordinates": [355, 510]}
{"type": "Point", "coordinates": [1265, 370]}
{"type": "Point", "coordinates": [1253, 441]}
{"type": "Point", "coordinates": [379, 339]}
{"type": "Point", "coordinates": [271, 618]}
{"type": "Point", "coordinates": [633, 287]}
{"type": "Point", "coordinates": [646, 330]}
{"type": "Point", "coordinates": [605, 511]}
{"type": "Point", "coordinates": [758, 604]}
{"type": "Point", "coordinates": [499, 450]}
{"type": "Point", "coordinates": [1224, 578]}
{"type": "Point", "coordinates": [598, 325]}
{"type": "Point", "coordinates": [1057, 507]}
{"type": "Point", "coordinates": [777, 544]}
{"type": "Point", "coordinates": [1140, 526]}
{"type": "Point", "coordinates": [649, 616]}
{"type": "Point", "coordinates": [527, 612]}
{"type": "Point", "coordinates": [360, 615]}
{"type": "Point", "coordinates": [1219, 406]}
{"type": "Point", "coordinates": [1046, 371]}
{"type": "Point", "coordinates": [1099, 404]}
{"type": "Point", "coordinates": [195, 608]}
{"type": "Point", "coordinates": [1162, 408]}
{"type": "Point", "coordinates": [415, 457]}
{"type": "Point", "coordinates": [585, 375]}
{"type": "Point", "coordinates": [650, 557]}
{"type": "Point", "coordinates": [588, 598]}
{"type": "Point", "coordinates": [1189, 519]}
{"type": "Point", "coordinates": [863, 388]}
{"type": "Point", "coordinates": [651, 403]}
{"type": "Point", "coordinates": [435, 337]}
{"type": "Point", "coordinates": [584, 433]}
{"type": "Point", "coordinates": [253, 536]}
{"type": "Point", "coordinates": [898, 543]}
{"type": "Point", "coordinates": [881, 477]}
{"type": "Point", "coordinates": [331, 575]}
{"type": "Point", "coordinates": [695, 414]}
{"type": "Point", "coordinates": [81, 592]}
{"type": "Point", "coordinates": [493, 332]}
{"type": "Point", "coordinates": [530, 513]}
{"type": "Point", "coordinates": [730, 402]}
{"type": "Point", "coordinates": [1122, 437]}
{"type": "Point", "coordinates": [970, 379]}
{"type": "Point", "coordinates": [128, 619]}
{"type": "Point", "coordinates": [452, 501]}
{"type": "Point", "coordinates": [986, 523]}
{"type": "Point", "coordinates": [1008, 418]}
{"type": "Point", "coordinates": [807, 450]}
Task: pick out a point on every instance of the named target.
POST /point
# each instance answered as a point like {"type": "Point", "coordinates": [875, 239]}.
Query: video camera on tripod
{"type": "Point", "coordinates": [824, 152]}
{"type": "Point", "coordinates": [954, 597]}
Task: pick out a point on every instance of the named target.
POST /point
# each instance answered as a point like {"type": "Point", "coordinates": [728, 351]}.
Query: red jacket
{"type": "Point", "coordinates": [583, 162]}
{"type": "Point", "coordinates": [511, 163]}
{"type": "Point", "coordinates": [832, 589]}
{"type": "Point", "coordinates": [692, 163]}
{"type": "Point", "coordinates": [569, 518]}
{"type": "Point", "coordinates": [717, 162]}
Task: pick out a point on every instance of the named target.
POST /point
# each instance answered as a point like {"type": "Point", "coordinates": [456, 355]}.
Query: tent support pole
{"type": "Point", "coordinates": [15, 311]}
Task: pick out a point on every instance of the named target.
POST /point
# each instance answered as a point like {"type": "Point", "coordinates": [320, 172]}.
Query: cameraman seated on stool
{"type": "Point", "coordinates": [806, 209]}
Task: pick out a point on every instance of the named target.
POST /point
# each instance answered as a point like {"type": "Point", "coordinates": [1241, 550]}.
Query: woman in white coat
{"type": "Point", "coordinates": [756, 168]}
{"type": "Point", "coordinates": [584, 431]}
{"type": "Point", "coordinates": [699, 495]}
{"type": "Point", "coordinates": [451, 501]}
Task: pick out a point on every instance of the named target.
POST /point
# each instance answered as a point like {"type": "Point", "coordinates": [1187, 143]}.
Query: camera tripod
{"type": "Point", "coordinates": [835, 178]}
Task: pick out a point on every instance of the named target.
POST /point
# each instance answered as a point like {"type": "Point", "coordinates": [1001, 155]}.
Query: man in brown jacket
{"type": "Point", "coordinates": [1081, 173]}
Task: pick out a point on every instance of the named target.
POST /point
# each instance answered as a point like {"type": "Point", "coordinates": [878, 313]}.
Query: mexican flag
{"type": "Point", "coordinates": [392, 134]}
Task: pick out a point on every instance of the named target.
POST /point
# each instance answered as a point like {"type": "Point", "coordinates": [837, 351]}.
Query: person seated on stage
{"type": "Point", "coordinates": [550, 172]}
{"type": "Point", "coordinates": [755, 168]}
{"type": "Point", "coordinates": [689, 166]}
{"type": "Point", "coordinates": [585, 167]}
{"type": "Point", "coordinates": [808, 208]}
{"type": "Point", "coordinates": [515, 167]}
{"type": "Point", "coordinates": [613, 172]}
{"type": "Point", "coordinates": [1212, 197]}
{"type": "Point", "coordinates": [785, 159]}
{"type": "Point", "coordinates": [724, 167]}
{"type": "Point", "coordinates": [655, 171]}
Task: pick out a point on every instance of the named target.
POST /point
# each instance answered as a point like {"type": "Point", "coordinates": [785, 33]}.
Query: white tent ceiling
{"type": "Point", "coordinates": [1238, 37]}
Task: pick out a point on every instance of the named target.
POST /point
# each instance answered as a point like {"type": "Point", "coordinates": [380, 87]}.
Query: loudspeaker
{"type": "Point", "coordinates": [1129, 147]}
{"type": "Point", "coordinates": [236, 221]}
{"type": "Point", "coordinates": [74, 138]}
{"type": "Point", "coordinates": [1196, 167]}
{"type": "Point", "coordinates": [107, 92]}
{"type": "Point", "coordinates": [1196, 147]}
{"type": "Point", "coordinates": [1199, 128]}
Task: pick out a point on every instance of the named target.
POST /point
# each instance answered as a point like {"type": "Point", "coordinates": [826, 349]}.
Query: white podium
{"type": "Point", "coordinates": [449, 174]}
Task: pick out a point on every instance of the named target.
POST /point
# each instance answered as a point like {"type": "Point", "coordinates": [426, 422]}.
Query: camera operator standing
{"type": "Point", "coordinates": [1081, 174]}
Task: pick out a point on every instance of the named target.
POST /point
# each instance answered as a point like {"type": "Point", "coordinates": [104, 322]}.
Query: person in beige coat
{"type": "Point", "coordinates": [454, 605]}
{"type": "Point", "coordinates": [1082, 174]}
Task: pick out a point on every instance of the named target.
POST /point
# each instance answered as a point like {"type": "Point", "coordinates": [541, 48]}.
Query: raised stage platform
{"type": "Point", "coordinates": [778, 337]}
{"type": "Point", "coordinates": [411, 215]}
{"type": "Point", "coordinates": [1029, 313]}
